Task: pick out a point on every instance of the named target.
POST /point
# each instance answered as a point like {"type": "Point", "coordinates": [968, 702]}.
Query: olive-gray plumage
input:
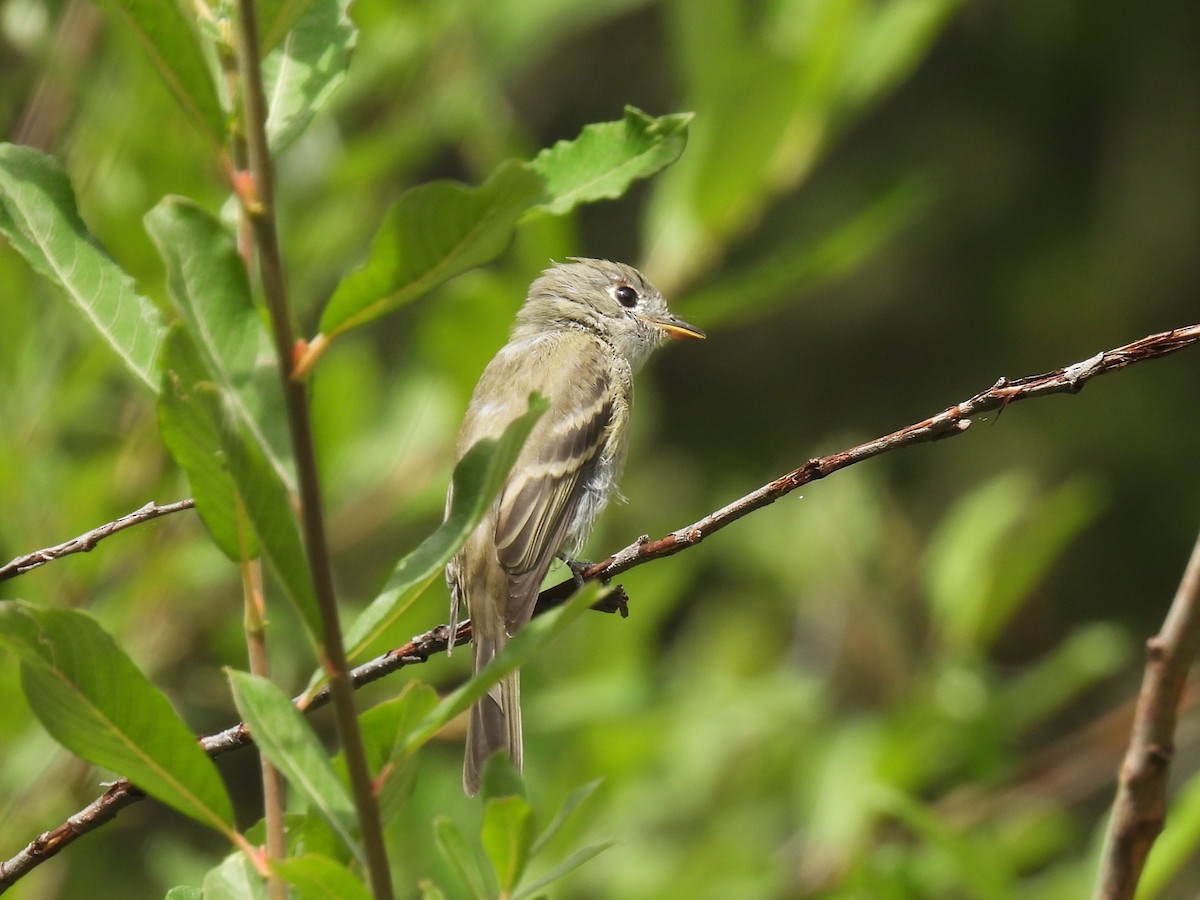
{"type": "Point", "coordinates": [585, 328]}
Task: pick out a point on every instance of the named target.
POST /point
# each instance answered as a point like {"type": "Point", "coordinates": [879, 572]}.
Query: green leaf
{"type": "Point", "coordinates": [318, 877]}
{"type": "Point", "coordinates": [188, 417]}
{"type": "Point", "coordinates": [234, 879]}
{"type": "Point", "coordinates": [230, 476]}
{"type": "Point", "coordinates": [432, 233]}
{"type": "Point", "coordinates": [457, 852]}
{"type": "Point", "coordinates": [520, 648]}
{"type": "Point", "coordinates": [285, 738]}
{"type": "Point", "coordinates": [39, 217]}
{"type": "Point", "coordinates": [502, 779]}
{"type": "Point", "coordinates": [268, 504]}
{"type": "Point", "coordinates": [172, 44]}
{"type": "Point", "coordinates": [570, 864]}
{"type": "Point", "coordinates": [94, 701]}
{"type": "Point", "coordinates": [477, 480]}
{"type": "Point", "coordinates": [385, 728]}
{"type": "Point", "coordinates": [184, 892]}
{"type": "Point", "coordinates": [300, 75]}
{"type": "Point", "coordinates": [607, 157]}
{"type": "Point", "coordinates": [507, 835]}
{"type": "Point", "coordinates": [208, 283]}
{"type": "Point", "coordinates": [430, 891]}
{"type": "Point", "coordinates": [569, 806]}
{"type": "Point", "coordinates": [276, 18]}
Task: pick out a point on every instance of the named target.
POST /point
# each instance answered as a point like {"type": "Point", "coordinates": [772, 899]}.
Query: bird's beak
{"type": "Point", "coordinates": [676, 328]}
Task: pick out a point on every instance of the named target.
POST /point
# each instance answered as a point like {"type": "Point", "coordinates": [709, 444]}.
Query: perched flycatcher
{"type": "Point", "coordinates": [586, 327]}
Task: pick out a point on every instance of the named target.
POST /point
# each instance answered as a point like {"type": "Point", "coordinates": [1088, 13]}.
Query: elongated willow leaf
{"type": "Point", "coordinates": [38, 216]}
{"type": "Point", "coordinates": [95, 702]}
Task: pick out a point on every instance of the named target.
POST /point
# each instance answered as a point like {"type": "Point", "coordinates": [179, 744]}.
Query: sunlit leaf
{"type": "Point", "coordinates": [286, 739]}
{"type": "Point", "coordinates": [302, 73]}
{"type": "Point", "coordinates": [607, 157]}
{"type": "Point", "coordinates": [39, 217]}
{"type": "Point", "coordinates": [208, 283]}
{"type": "Point", "coordinates": [432, 233]}
{"type": "Point", "coordinates": [94, 701]}
{"type": "Point", "coordinates": [172, 44]}
{"type": "Point", "coordinates": [477, 480]}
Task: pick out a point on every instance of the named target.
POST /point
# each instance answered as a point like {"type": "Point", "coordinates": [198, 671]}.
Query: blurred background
{"type": "Point", "coordinates": [915, 680]}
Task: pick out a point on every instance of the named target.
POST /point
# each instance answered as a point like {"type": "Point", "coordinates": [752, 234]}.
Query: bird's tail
{"type": "Point", "coordinates": [495, 721]}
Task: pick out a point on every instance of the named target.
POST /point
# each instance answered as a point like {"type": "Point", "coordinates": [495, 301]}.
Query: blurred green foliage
{"type": "Point", "coordinates": [907, 684]}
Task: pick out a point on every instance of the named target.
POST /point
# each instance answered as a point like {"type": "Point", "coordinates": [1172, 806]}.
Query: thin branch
{"type": "Point", "coordinates": [88, 540]}
{"type": "Point", "coordinates": [1140, 807]}
{"type": "Point", "coordinates": [951, 421]}
{"type": "Point", "coordinates": [261, 213]}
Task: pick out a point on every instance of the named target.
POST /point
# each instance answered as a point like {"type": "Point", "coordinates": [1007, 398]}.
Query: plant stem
{"type": "Point", "coordinates": [262, 217]}
{"type": "Point", "coordinates": [255, 626]}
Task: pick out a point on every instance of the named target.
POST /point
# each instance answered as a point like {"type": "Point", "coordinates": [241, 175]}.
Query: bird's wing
{"type": "Point", "coordinates": [546, 486]}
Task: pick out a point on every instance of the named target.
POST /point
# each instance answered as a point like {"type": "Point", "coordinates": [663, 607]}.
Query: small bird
{"type": "Point", "coordinates": [585, 328]}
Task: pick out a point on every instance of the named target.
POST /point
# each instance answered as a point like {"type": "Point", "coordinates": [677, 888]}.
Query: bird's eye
{"type": "Point", "coordinates": [626, 296]}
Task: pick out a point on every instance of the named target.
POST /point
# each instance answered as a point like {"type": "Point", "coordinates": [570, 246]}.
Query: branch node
{"type": "Point", "coordinates": [1084, 370]}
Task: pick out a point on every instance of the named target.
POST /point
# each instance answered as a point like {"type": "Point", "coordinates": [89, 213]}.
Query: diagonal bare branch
{"type": "Point", "coordinates": [88, 540]}
{"type": "Point", "coordinates": [1140, 807]}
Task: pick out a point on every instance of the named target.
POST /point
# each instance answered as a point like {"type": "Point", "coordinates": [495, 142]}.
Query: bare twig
{"type": "Point", "coordinates": [1140, 807]}
{"type": "Point", "coordinates": [88, 540]}
{"type": "Point", "coordinates": [951, 421]}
